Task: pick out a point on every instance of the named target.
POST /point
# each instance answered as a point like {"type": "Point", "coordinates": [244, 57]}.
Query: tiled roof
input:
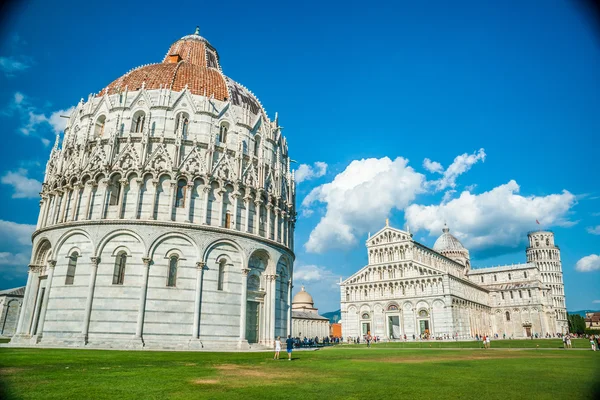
{"type": "Point", "coordinates": [20, 291]}
{"type": "Point", "coordinates": [189, 61]}
{"type": "Point", "coordinates": [307, 315]}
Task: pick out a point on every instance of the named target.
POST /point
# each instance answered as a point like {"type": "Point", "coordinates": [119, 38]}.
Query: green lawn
{"type": "Point", "coordinates": [333, 373]}
{"type": "Point", "coordinates": [495, 344]}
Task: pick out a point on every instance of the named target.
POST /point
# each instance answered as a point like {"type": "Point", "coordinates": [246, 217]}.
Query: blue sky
{"type": "Point", "coordinates": [502, 99]}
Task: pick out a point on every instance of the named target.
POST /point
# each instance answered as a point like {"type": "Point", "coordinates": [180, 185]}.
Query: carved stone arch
{"type": "Point", "coordinates": [194, 163]}
{"type": "Point", "coordinates": [109, 236]}
{"type": "Point", "coordinates": [178, 107]}
{"type": "Point", "coordinates": [160, 160]}
{"type": "Point", "coordinates": [224, 169]}
{"type": "Point", "coordinates": [285, 260]}
{"type": "Point", "coordinates": [127, 159]}
{"type": "Point", "coordinates": [208, 248]}
{"type": "Point", "coordinates": [96, 161]}
{"type": "Point", "coordinates": [68, 234]}
{"type": "Point", "coordinates": [157, 241]}
{"type": "Point", "coordinates": [42, 251]}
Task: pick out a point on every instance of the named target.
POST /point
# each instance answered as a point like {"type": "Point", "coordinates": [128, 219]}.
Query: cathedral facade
{"type": "Point", "coordinates": [167, 215]}
{"type": "Point", "coordinates": [409, 289]}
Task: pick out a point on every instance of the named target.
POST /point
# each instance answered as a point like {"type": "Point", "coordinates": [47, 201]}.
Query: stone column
{"type": "Point", "coordinates": [289, 307]}
{"type": "Point", "coordinates": [236, 204]}
{"type": "Point", "coordinates": [283, 227]}
{"type": "Point", "coordinates": [155, 183]}
{"type": "Point", "coordinates": [247, 199]}
{"type": "Point", "coordinates": [222, 193]}
{"type": "Point", "coordinates": [189, 188]}
{"type": "Point", "coordinates": [172, 209]}
{"type": "Point", "coordinates": [45, 210]}
{"type": "Point", "coordinates": [74, 213]}
{"type": "Point", "coordinates": [257, 204]}
{"type": "Point", "coordinates": [25, 303]}
{"type": "Point", "coordinates": [90, 185]}
{"type": "Point", "coordinates": [206, 191]}
{"type": "Point", "coordinates": [200, 267]}
{"type": "Point", "coordinates": [243, 304]}
{"type": "Point", "coordinates": [121, 206]}
{"type": "Point", "coordinates": [90, 298]}
{"type": "Point", "coordinates": [273, 309]}
{"type": "Point", "coordinates": [40, 327]}
{"type": "Point", "coordinates": [63, 205]}
{"type": "Point", "coordinates": [268, 230]}
{"type": "Point", "coordinates": [41, 214]}
{"type": "Point", "coordinates": [140, 183]}
{"type": "Point", "coordinates": [276, 236]}
{"type": "Point", "coordinates": [143, 292]}
{"type": "Point", "coordinates": [104, 192]}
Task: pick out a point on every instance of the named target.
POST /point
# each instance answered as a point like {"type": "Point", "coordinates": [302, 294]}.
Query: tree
{"type": "Point", "coordinates": [576, 323]}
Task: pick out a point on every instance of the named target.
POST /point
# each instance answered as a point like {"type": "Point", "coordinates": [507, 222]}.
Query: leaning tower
{"type": "Point", "coordinates": [546, 255]}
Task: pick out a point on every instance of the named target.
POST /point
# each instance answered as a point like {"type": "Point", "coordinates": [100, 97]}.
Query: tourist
{"type": "Point", "coordinates": [593, 343]}
{"type": "Point", "coordinates": [289, 346]}
{"type": "Point", "coordinates": [487, 340]}
{"type": "Point", "coordinates": [569, 341]}
{"type": "Point", "coordinates": [277, 348]}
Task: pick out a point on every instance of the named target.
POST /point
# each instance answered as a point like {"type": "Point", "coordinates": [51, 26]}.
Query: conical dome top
{"type": "Point", "coordinates": [447, 241]}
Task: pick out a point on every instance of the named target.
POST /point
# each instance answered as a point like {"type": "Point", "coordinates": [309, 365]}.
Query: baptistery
{"type": "Point", "coordinates": [166, 217]}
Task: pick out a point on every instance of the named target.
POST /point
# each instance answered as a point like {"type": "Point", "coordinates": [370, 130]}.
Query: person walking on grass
{"type": "Point", "coordinates": [289, 343]}
{"type": "Point", "coordinates": [593, 343]}
{"type": "Point", "coordinates": [277, 348]}
{"type": "Point", "coordinates": [487, 342]}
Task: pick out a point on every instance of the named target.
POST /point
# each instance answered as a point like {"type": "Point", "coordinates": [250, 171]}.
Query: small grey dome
{"type": "Point", "coordinates": [447, 242]}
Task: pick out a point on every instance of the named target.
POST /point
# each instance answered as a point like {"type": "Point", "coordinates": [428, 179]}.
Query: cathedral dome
{"type": "Point", "coordinates": [447, 242]}
{"type": "Point", "coordinates": [303, 299]}
{"type": "Point", "coordinates": [190, 62]}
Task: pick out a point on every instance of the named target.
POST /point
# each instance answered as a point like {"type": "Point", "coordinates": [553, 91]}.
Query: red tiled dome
{"type": "Point", "coordinates": [190, 61]}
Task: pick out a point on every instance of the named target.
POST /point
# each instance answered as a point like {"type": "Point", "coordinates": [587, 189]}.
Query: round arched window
{"type": "Point", "coordinates": [365, 316]}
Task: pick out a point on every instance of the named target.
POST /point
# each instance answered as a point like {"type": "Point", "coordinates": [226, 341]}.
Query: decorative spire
{"type": "Point", "coordinates": [387, 222]}
{"type": "Point", "coordinates": [197, 31]}
{"type": "Point", "coordinates": [445, 229]}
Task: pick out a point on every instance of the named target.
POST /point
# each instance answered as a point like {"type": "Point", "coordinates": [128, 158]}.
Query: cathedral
{"type": "Point", "coordinates": [166, 217]}
{"type": "Point", "coordinates": [408, 290]}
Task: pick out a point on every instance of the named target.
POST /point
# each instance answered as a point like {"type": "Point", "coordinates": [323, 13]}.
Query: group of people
{"type": "Point", "coordinates": [595, 342]}
{"type": "Point", "coordinates": [567, 341]}
{"type": "Point", "coordinates": [486, 341]}
{"type": "Point", "coordinates": [289, 346]}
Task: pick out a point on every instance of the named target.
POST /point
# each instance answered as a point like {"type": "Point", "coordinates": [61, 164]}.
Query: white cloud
{"type": "Point", "coordinates": [7, 258]}
{"type": "Point", "coordinates": [596, 301]}
{"type": "Point", "coordinates": [594, 230]}
{"type": "Point", "coordinates": [308, 273]}
{"type": "Point", "coordinates": [15, 252]}
{"type": "Point", "coordinates": [12, 65]}
{"type": "Point", "coordinates": [33, 118]}
{"type": "Point", "coordinates": [433, 166]}
{"type": "Point", "coordinates": [305, 172]}
{"type": "Point", "coordinates": [23, 186]}
{"type": "Point", "coordinates": [14, 234]}
{"type": "Point", "coordinates": [459, 166]}
{"type": "Point", "coordinates": [57, 122]}
{"type": "Point", "coordinates": [359, 199]}
{"type": "Point", "coordinates": [497, 219]}
{"type": "Point", "coordinates": [448, 195]}
{"type": "Point", "coordinates": [588, 263]}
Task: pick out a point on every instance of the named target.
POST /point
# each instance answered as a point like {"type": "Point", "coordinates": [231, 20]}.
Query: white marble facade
{"type": "Point", "coordinates": [167, 216]}
{"type": "Point", "coordinates": [409, 289]}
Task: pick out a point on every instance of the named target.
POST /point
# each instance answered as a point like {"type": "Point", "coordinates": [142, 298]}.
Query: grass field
{"type": "Point", "coordinates": [495, 344]}
{"type": "Point", "coordinates": [344, 372]}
